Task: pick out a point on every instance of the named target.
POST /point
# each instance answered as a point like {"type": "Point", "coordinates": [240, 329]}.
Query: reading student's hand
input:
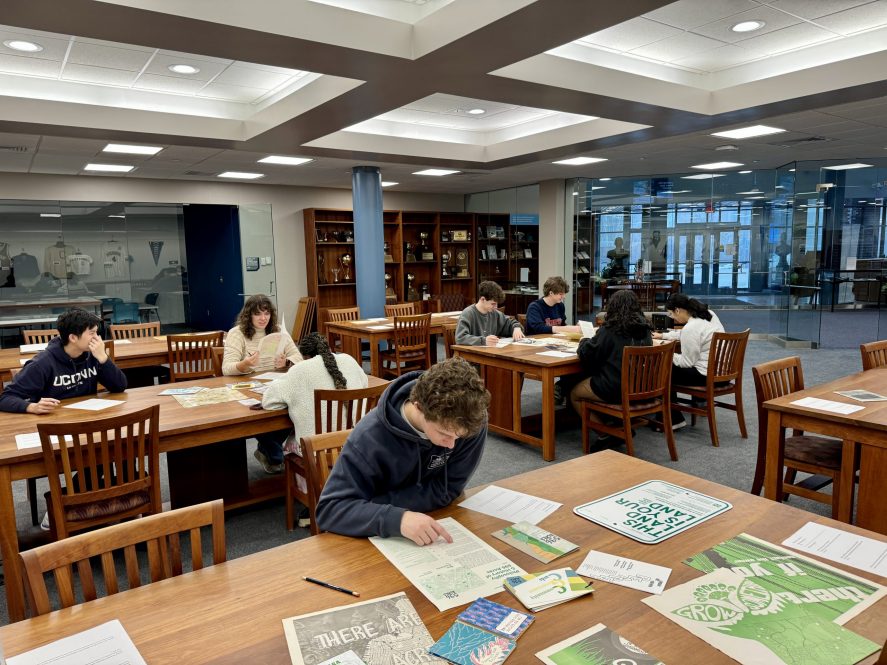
{"type": "Point", "coordinates": [251, 359]}
{"type": "Point", "coordinates": [492, 340]}
{"type": "Point", "coordinates": [97, 349]}
{"type": "Point", "coordinates": [517, 334]}
{"type": "Point", "coordinates": [280, 361]}
{"type": "Point", "coordinates": [45, 405]}
{"type": "Point", "coordinates": [422, 529]}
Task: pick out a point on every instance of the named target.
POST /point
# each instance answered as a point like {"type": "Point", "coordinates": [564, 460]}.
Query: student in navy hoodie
{"type": "Point", "coordinates": [72, 365]}
{"type": "Point", "coordinates": [412, 454]}
{"type": "Point", "coordinates": [548, 314]}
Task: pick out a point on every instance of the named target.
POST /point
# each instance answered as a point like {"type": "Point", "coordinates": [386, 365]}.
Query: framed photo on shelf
{"type": "Point", "coordinates": [492, 253]}
{"type": "Point", "coordinates": [483, 255]}
{"type": "Point", "coordinates": [460, 235]}
{"type": "Point", "coordinates": [528, 253]}
{"type": "Point", "coordinates": [491, 232]}
{"type": "Point", "coordinates": [319, 235]}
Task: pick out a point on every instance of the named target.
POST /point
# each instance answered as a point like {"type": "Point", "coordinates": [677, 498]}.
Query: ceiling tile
{"type": "Point", "coordinates": [857, 19]}
{"type": "Point", "coordinates": [233, 93]}
{"type": "Point", "coordinates": [74, 146]}
{"type": "Point", "coordinates": [252, 77]}
{"type": "Point", "coordinates": [679, 46]}
{"type": "Point", "coordinates": [686, 14]}
{"type": "Point", "coordinates": [170, 84]}
{"type": "Point", "coordinates": [100, 75]}
{"type": "Point", "coordinates": [53, 48]}
{"type": "Point", "coordinates": [631, 34]}
{"type": "Point", "coordinates": [717, 59]}
{"type": "Point", "coordinates": [107, 56]}
{"type": "Point", "coordinates": [811, 9]}
{"type": "Point", "coordinates": [787, 39]}
{"type": "Point", "coordinates": [773, 20]}
{"type": "Point", "coordinates": [209, 68]}
{"type": "Point", "coordinates": [12, 64]}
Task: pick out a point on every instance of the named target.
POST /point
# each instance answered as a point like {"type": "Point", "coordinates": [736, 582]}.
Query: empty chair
{"type": "Point", "coordinates": [39, 336]}
{"type": "Point", "coordinates": [522, 320]}
{"type": "Point", "coordinates": [401, 309]}
{"type": "Point", "coordinates": [874, 354]}
{"type": "Point", "coordinates": [337, 343]}
{"type": "Point", "coordinates": [150, 307]}
{"type": "Point", "coordinates": [31, 483]}
{"type": "Point", "coordinates": [218, 354]}
{"type": "Point", "coordinates": [646, 375]}
{"type": "Point", "coordinates": [412, 345]}
{"type": "Point", "coordinates": [162, 534]}
{"type": "Point", "coordinates": [447, 302]}
{"type": "Point", "coordinates": [116, 461]}
{"type": "Point", "coordinates": [125, 312]}
{"type": "Point", "coordinates": [449, 335]}
{"type": "Point", "coordinates": [190, 356]}
{"type": "Point", "coordinates": [817, 455]}
{"type": "Point", "coordinates": [725, 360]}
{"type": "Point", "coordinates": [135, 330]}
{"type": "Point", "coordinates": [304, 317]}
{"type": "Point", "coordinates": [320, 453]}
{"type": "Point", "coordinates": [646, 293]}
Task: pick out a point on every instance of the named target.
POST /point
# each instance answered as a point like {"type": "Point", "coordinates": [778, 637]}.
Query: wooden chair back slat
{"type": "Point", "coordinates": [112, 457]}
{"type": "Point", "coordinates": [449, 302]}
{"type": "Point", "coordinates": [412, 345]}
{"type": "Point", "coordinates": [874, 354]}
{"type": "Point", "coordinates": [338, 344]}
{"type": "Point", "coordinates": [135, 330]}
{"type": "Point", "coordinates": [449, 336]}
{"type": "Point", "coordinates": [726, 356]}
{"type": "Point", "coordinates": [320, 453]}
{"type": "Point", "coordinates": [644, 372]}
{"type": "Point", "coordinates": [190, 356]}
{"type": "Point", "coordinates": [218, 354]}
{"type": "Point", "coordinates": [336, 410]}
{"type": "Point", "coordinates": [39, 336]}
{"type": "Point", "coordinates": [401, 309]}
{"type": "Point", "coordinates": [154, 530]}
{"type": "Point", "coordinates": [87, 583]}
{"type": "Point", "coordinates": [304, 318]}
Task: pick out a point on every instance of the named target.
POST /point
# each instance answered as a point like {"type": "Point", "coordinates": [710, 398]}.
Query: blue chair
{"type": "Point", "coordinates": [125, 312]}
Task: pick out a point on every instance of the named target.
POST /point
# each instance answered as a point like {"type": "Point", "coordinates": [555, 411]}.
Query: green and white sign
{"type": "Point", "coordinates": [652, 511]}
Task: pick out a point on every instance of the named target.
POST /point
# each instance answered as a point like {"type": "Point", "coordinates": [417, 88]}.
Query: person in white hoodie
{"type": "Point", "coordinates": [691, 364]}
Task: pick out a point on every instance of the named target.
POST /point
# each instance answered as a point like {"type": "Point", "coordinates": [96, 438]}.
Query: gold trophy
{"type": "Point", "coordinates": [412, 294]}
{"type": "Point", "coordinates": [444, 264]}
{"type": "Point", "coordinates": [345, 261]}
{"type": "Point", "coordinates": [462, 263]}
{"type": "Point", "coordinates": [386, 248]}
{"type": "Point", "coordinates": [389, 292]}
{"type": "Point", "coordinates": [408, 253]}
{"type": "Point", "coordinates": [425, 252]}
{"type": "Point", "coordinates": [321, 269]}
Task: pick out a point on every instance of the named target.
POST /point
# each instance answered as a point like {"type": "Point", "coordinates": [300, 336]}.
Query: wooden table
{"type": "Point", "coordinates": [503, 370]}
{"type": "Point", "coordinates": [143, 352]}
{"type": "Point", "coordinates": [231, 613]}
{"type": "Point", "coordinates": [365, 330]}
{"type": "Point", "coordinates": [864, 434]}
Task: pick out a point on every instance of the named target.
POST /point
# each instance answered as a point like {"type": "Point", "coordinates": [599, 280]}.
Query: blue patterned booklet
{"type": "Point", "coordinates": [486, 632]}
{"type": "Point", "coordinates": [496, 618]}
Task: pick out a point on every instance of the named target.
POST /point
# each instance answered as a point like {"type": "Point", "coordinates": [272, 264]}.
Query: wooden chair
{"type": "Point", "coordinates": [449, 335]}
{"type": "Point", "coordinates": [401, 309]}
{"type": "Point", "coordinates": [646, 378]}
{"type": "Point", "coordinates": [334, 410]}
{"type": "Point", "coordinates": [874, 354]}
{"type": "Point", "coordinates": [725, 361]}
{"type": "Point", "coordinates": [447, 302]}
{"type": "Point", "coordinates": [117, 465]}
{"type": "Point", "coordinates": [816, 455]}
{"type": "Point", "coordinates": [30, 483]}
{"type": "Point", "coordinates": [320, 452]}
{"type": "Point", "coordinates": [110, 350]}
{"type": "Point", "coordinates": [218, 353]}
{"type": "Point", "coordinates": [646, 293]}
{"type": "Point", "coordinates": [39, 336]}
{"type": "Point", "coordinates": [304, 318]}
{"type": "Point", "coordinates": [522, 320]}
{"type": "Point", "coordinates": [412, 345]}
{"type": "Point", "coordinates": [190, 356]}
{"type": "Point", "coordinates": [338, 344]}
{"type": "Point", "coordinates": [135, 330]}
{"type": "Point", "coordinates": [161, 533]}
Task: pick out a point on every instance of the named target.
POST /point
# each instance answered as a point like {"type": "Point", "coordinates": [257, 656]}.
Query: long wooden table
{"type": "Point", "coordinates": [138, 353]}
{"type": "Point", "coordinates": [503, 370]}
{"type": "Point", "coordinates": [231, 613]}
{"type": "Point", "coordinates": [379, 331]}
{"type": "Point", "coordinates": [864, 436]}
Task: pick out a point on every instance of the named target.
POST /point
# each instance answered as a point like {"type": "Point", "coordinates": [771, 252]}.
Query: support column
{"type": "Point", "coordinates": [369, 237]}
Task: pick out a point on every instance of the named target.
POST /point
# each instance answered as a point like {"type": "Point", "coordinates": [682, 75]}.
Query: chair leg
{"type": "Point", "coordinates": [586, 445]}
{"type": "Point", "coordinates": [288, 470]}
{"type": "Point", "coordinates": [669, 434]}
{"type": "Point", "coordinates": [32, 500]}
{"type": "Point", "coordinates": [836, 492]}
{"type": "Point", "coordinates": [629, 440]}
{"type": "Point", "coordinates": [740, 414]}
{"type": "Point", "coordinates": [758, 483]}
{"type": "Point", "coordinates": [712, 424]}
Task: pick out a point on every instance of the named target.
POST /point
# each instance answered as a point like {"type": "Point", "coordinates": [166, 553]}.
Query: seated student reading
{"type": "Point", "coordinates": [245, 353]}
{"type": "Point", "coordinates": [412, 454]}
{"type": "Point", "coordinates": [73, 365]}
{"type": "Point", "coordinates": [482, 324]}
{"type": "Point", "coordinates": [548, 314]}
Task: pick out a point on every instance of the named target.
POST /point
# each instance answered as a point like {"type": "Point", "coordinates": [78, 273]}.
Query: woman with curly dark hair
{"type": "Point", "coordinates": [601, 355]}
{"type": "Point", "coordinates": [244, 354]}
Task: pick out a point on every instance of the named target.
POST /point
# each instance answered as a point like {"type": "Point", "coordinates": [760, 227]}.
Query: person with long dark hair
{"type": "Point", "coordinates": [699, 325]}
{"type": "Point", "coordinates": [601, 355]}
{"type": "Point", "coordinates": [320, 369]}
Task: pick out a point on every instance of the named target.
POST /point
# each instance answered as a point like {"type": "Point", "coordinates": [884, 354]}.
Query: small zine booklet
{"type": "Point", "coordinates": [596, 645]}
{"type": "Point", "coordinates": [182, 391]}
{"type": "Point", "coordinates": [496, 618]}
{"type": "Point", "coordinates": [862, 395]}
{"type": "Point", "coordinates": [539, 591]}
{"type": "Point", "coordinates": [486, 633]}
{"type": "Point", "coordinates": [273, 345]}
{"type": "Point", "coordinates": [535, 541]}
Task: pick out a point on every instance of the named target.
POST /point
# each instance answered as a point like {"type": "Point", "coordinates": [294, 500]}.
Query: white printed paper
{"type": "Point", "coordinates": [347, 658]}
{"type": "Point", "coordinates": [122, 341]}
{"type": "Point", "coordinates": [828, 405]}
{"type": "Point", "coordinates": [557, 354]}
{"type": "Point", "coordinates": [625, 572]}
{"type": "Point", "coordinates": [587, 328]}
{"type": "Point", "coordinates": [32, 348]}
{"type": "Point", "coordinates": [841, 546]}
{"type": "Point", "coordinates": [268, 376]}
{"type": "Point", "coordinates": [95, 404]}
{"type": "Point", "coordinates": [249, 401]}
{"type": "Point", "coordinates": [32, 440]}
{"type": "Point", "coordinates": [510, 505]}
{"type": "Point", "coordinates": [449, 574]}
{"type": "Point", "coordinates": [108, 644]}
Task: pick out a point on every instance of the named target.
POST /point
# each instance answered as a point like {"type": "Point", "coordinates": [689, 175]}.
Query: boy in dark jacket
{"type": "Point", "coordinates": [548, 314]}
{"type": "Point", "coordinates": [73, 365]}
{"type": "Point", "coordinates": [412, 454]}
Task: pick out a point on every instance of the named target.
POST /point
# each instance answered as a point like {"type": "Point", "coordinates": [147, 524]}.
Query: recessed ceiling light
{"type": "Point", "coordinates": [579, 161]}
{"type": "Point", "coordinates": [389, 184]}
{"type": "Point", "coordinates": [605, 179]}
{"type": "Point", "coordinates": [749, 132]}
{"type": "Point", "coordinates": [847, 167]}
{"type": "Point", "coordinates": [288, 161]}
{"type": "Point", "coordinates": [437, 172]}
{"type": "Point", "coordinates": [702, 176]}
{"type": "Point", "coordinates": [50, 214]}
{"type": "Point", "coordinates": [132, 149]}
{"type": "Point", "coordinates": [110, 168]}
{"type": "Point", "coordinates": [597, 187]}
{"type": "Point", "coordinates": [241, 175]}
{"type": "Point", "coordinates": [183, 69]}
{"type": "Point", "coordinates": [22, 45]}
{"type": "Point", "coordinates": [716, 165]}
{"type": "Point", "coordinates": [748, 26]}
{"type": "Point", "coordinates": [118, 216]}
{"type": "Point", "coordinates": [476, 111]}
{"type": "Point", "coordinates": [745, 172]}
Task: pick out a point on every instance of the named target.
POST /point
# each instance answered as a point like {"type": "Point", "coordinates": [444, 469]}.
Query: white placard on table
{"type": "Point", "coordinates": [94, 404]}
{"type": "Point", "coordinates": [557, 354]}
{"type": "Point", "coordinates": [387, 327]}
{"type": "Point", "coordinates": [510, 505]}
{"type": "Point", "coordinates": [833, 544]}
{"type": "Point", "coordinates": [108, 644]}
{"type": "Point", "coordinates": [32, 348]}
{"type": "Point", "coordinates": [828, 405]}
{"type": "Point", "coordinates": [268, 376]}
{"type": "Point", "coordinates": [625, 572]}
{"type": "Point", "coordinates": [122, 341]}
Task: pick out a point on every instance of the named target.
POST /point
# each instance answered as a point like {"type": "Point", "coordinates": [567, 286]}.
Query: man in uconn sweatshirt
{"type": "Point", "coordinates": [72, 365]}
{"type": "Point", "coordinates": [410, 455]}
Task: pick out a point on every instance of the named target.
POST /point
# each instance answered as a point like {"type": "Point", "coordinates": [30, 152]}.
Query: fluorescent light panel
{"type": "Point", "coordinates": [241, 175]}
{"type": "Point", "coordinates": [124, 149]}
{"type": "Point", "coordinates": [580, 161]}
{"type": "Point", "coordinates": [287, 161]}
{"type": "Point", "coordinates": [749, 132]}
{"type": "Point", "coordinates": [436, 172]}
{"type": "Point", "coordinates": [846, 167]}
{"type": "Point", "coordinates": [50, 214]}
{"type": "Point", "coordinates": [389, 184]}
{"type": "Point", "coordinates": [702, 176]}
{"type": "Point", "coordinates": [109, 168]}
{"type": "Point", "coordinates": [715, 166]}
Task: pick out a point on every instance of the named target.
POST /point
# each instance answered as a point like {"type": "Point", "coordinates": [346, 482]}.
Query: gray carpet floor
{"type": "Point", "coordinates": [732, 464]}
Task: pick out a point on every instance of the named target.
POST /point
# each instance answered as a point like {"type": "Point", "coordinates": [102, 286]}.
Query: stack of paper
{"type": "Point", "coordinates": [535, 541]}
{"type": "Point", "coordinates": [484, 633]}
{"type": "Point", "coordinates": [539, 591]}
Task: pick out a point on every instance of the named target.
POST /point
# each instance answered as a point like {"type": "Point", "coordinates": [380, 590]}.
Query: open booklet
{"type": "Point", "coordinates": [587, 328]}
{"type": "Point", "coordinates": [273, 345]}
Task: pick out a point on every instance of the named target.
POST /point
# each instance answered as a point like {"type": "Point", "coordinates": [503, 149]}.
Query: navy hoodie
{"type": "Point", "coordinates": [386, 468]}
{"type": "Point", "coordinates": [541, 317]}
{"type": "Point", "coordinates": [53, 373]}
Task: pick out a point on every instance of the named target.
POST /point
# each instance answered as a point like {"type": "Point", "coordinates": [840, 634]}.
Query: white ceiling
{"type": "Point", "coordinates": [641, 84]}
